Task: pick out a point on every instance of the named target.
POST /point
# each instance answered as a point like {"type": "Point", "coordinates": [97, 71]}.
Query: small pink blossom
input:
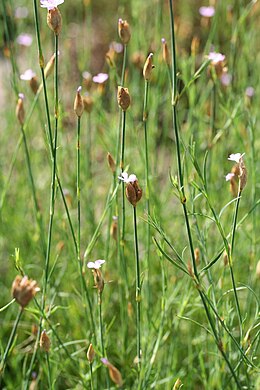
{"type": "Point", "coordinates": [95, 264]}
{"type": "Point", "coordinates": [229, 176]}
{"type": "Point", "coordinates": [117, 47]}
{"type": "Point", "coordinates": [226, 79]}
{"type": "Point", "coordinates": [207, 12]}
{"type": "Point", "coordinates": [127, 179]}
{"type": "Point", "coordinates": [27, 75]}
{"type": "Point", "coordinates": [250, 91]}
{"type": "Point", "coordinates": [24, 39]}
{"type": "Point", "coordinates": [100, 78]}
{"type": "Point", "coordinates": [50, 4]}
{"type": "Point", "coordinates": [21, 12]}
{"type": "Point", "coordinates": [215, 58]}
{"type": "Point", "coordinates": [236, 157]}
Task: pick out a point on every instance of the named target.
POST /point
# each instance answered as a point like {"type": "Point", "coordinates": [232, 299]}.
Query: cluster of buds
{"type": "Point", "coordinates": [54, 19]}
{"type": "Point", "coordinates": [114, 373]}
{"type": "Point", "coordinates": [24, 289]}
{"type": "Point", "coordinates": [148, 67]}
{"type": "Point", "coordinates": [98, 278]}
{"type": "Point", "coordinates": [123, 98]}
{"type": "Point", "coordinates": [132, 190]}
{"type": "Point", "coordinates": [238, 174]}
{"type": "Point", "coordinates": [78, 103]}
{"type": "Point", "coordinates": [124, 31]}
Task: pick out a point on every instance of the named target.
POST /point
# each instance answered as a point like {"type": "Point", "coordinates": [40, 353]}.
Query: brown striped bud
{"type": "Point", "coordinates": [50, 65]}
{"type": "Point", "coordinates": [166, 54]}
{"type": "Point", "coordinates": [34, 85]}
{"type": "Point", "coordinates": [54, 20]}
{"type": "Point", "coordinates": [111, 163]}
{"type": "Point", "coordinates": [20, 114]}
{"type": "Point", "coordinates": [45, 342]}
{"type": "Point", "coordinates": [148, 67]}
{"type": "Point", "coordinates": [90, 353]}
{"type": "Point", "coordinates": [124, 31]}
{"type": "Point", "coordinates": [88, 103]}
{"type": "Point", "coordinates": [78, 103]}
{"type": "Point", "coordinates": [98, 279]}
{"type": "Point", "coordinates": [197, 255]}
{"type": "Point", "coordinates": [114, 373]}
{"type": "Point", "coordinates": [113, 228]}
{"type": "Point", "coordinates": [123, 98]}
{"type": "Point", "coordinates": [133, 193]}
{"type": "Point", "coordinates": [24, 289]}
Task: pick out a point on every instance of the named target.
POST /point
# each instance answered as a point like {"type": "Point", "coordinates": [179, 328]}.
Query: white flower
{"type": "Point", "coordinates": [100, 78]}
{"type": "Point", "coordinates": [127, 179]}
{"type": "Point", "coordinates": [229, 176]}
{"type": "Point", "coordinates": [96, 264]}
{"type": "Point", "coordinates": [27, 75]}
{"type": "Point", "coordinates": [236, 157]}
{"type": "Point", "coordinates": [50, 4]}
{"type": "Point", "coordinates": [215, 58]}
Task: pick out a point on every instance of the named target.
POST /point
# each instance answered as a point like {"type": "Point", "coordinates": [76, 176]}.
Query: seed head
{"type": "Point", "coordinates": [124, 31]}
{"type": "Point", "coordinates": [45, 342]}
{"type": "Point", "coordinates": [24, 289]}
{"type": "Point", "coordinates": [123, 98]}
{"type": "Point", "coordinates": [148, 67]}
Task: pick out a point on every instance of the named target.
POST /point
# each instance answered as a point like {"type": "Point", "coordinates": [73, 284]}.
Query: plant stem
{"type": "Point", "coordinates": [10, 342]}
{"type": "Point", "coordinates": [147, 193]}
{"type": "Point", "coordinates": [78, 185]}
{"type": "Point", "coordinates": [91, 376]}
{"type": "Point", "coordinates": [49, 370]}
{"type": "Point", "coordinates": [137, 293]}
{"type": "Point", "coordinates": [122, 162]}
{"type": "Point", "coordinates": [101, 332]}
{"type": "Point", "coordinates": [124, 65]}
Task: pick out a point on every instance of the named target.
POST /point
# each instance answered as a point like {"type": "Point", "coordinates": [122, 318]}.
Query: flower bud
{"type": "Point", "coordinates": [124, 31]}
{"type": "Point", "coordinates": [148, 67]}
{"type": "Point", "coordinates": [54, 20]}
{"type": "Point", "coordinates": [133, 193]}
{"type": "Point", "coordinates": [114, 373]}
{"type": "Point", "coordinates": [111, 163]}
{"type": "Point", "coordinates": [113, 228]}
{"type": "Point", "coordinates": [88, 103]}
{"type": "Point", "coordinates": [20, 114]}
{"type": "Point", "coordinates": [78, 103]}
{"type": "Point", "coordinates": [177, 384]}
{"type": "Point", "coordinates": [166, 54]}
{"type": "Point", "coordinates": [197, 255]}
{"type": "Point", "coordinates": [98, 279]}
{"type": "Point", "coordinates": [91, 353]}
{"type": "Point", "coordinates": [45, 342]}
{"type": "Point", "coordinates": [34, 85]}
{"type": "Point", "coordinates": [24, 289]}
{"type": "Point", "coordinates": [50, 65]}
{"type": "Point", "coordinates": [123, 98]}
{"type": "Point", "coordinates": [242, 174]}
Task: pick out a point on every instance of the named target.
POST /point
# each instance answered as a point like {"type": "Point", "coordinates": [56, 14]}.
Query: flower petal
{"type": "Point", "coordinates": [235, 157]}
{"type": "Point", "coordinates": [229, 176]}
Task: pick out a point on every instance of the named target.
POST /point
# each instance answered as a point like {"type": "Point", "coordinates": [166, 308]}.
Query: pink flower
{"type": "Point", "coordinates": [21, 12]}
{"type": "Point", "coordinates": [207, 12]}
{"type": "Point", "coordinates": [127, 179]}
{"type": "Point", "coordinates": [27, 75]}
{"type": "Point", "coordinates": [100, 78]}
{"type": "Point", "coordinates": [24, 39]}
{"type": "Point", "coordinates": [226, 79]}
{"type": "Point", "coordinates": [50, 4]}
{"type": "Point", "coordinates": [250, 91]}
{"type": "Point", "coordinates": [229, 176]}
{"type": "Point", "coordinates": [117, 47]}
{"type": "Point", "coordinates": [215, 58]}
{"type": "Point", "coordinates": [96, 264]}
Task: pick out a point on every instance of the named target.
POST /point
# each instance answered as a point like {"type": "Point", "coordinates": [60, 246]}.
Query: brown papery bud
{"type": "Point", "coordinates": [133, 193]}
{"type": "Point", "coordinates": [91, 353]}
{"type": "Point", "coordinates": [45, 342]}
{"type": "Point", "coordinates": [24, 289]}
{"type": "Point", "coordinates": [197, 255]}
{"type": "Point", "coordinates": [50, 65]}
{"type": "Point", "coordinates": [111, 163]}
{"type": "Point", "coordinates": [34, 85]}
{"type": "Point", "coordinates": [20, 114]}
{"type": "Point", "coordinates": [78, 103]}
{"type": "Point", "coordinates": [148, 67]}
{"type": "Point", "coordinates": [123, 98]}
{"type": "Point", "coordinates": [166, 54]}
{"type": "Point", "coordinates": [54, 20]}
{"type": "Point", "coordinates": [98, 279]}
{"type": "Point", "coordinates": [242, 174]}
{"type": "Point", "coordinates": [88, 103]}
{"type": "Point", "coordinates": [114, 373]}
{"type": "Point", "coordinates": [234, 180]}
{"type": "Point", "coordinates": [124, 31]}
{"type": "Point", "coordinates": [113, 228]}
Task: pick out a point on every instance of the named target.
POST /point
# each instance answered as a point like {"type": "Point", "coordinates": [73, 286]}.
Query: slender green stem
{"type": "Point", "coordinates": [101, 333]}
{"type": "Point", "coordinates": [91, 376]}
{"type": "Point", "coordinates": [10, 342]}
{"type": "Point", "coordinates": [124, 66]}
{"type": "Point", "coordinates": [78, 185]}
{"type": "Point", "coordinates": [147, 193]}
{"type": "Point", "coordinates": [36, 205]}
{"type": "Point", "coordinates": [49, 371]}
{"type": "Point", "coordinates": [122, 162]}
{"type": "Point", "coordinates": [137, 293]}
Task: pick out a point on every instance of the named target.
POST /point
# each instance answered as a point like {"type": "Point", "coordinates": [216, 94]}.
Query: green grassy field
{"type": "Point", "coordinates": [176, 302]}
